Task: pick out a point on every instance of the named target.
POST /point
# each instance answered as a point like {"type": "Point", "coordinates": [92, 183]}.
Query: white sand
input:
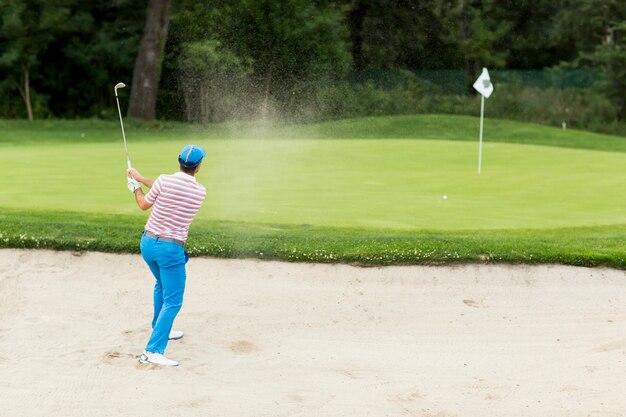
{"type": "Point", "coordinates": [277, 339]}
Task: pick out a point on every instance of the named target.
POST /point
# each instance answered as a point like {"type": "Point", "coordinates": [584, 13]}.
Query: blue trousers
{"type": "Point", "coordinates": [167, 262]}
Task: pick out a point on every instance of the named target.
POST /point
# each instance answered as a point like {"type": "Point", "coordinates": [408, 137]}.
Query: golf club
{"type": "Point", "coordinates": [122, 85]}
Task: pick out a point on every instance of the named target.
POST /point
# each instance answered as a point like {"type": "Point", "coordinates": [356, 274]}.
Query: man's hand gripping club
{"type": "Point", "coordinates": [133, 180]}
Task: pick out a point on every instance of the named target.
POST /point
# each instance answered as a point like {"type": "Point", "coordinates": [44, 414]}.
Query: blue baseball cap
{"type": "Point", "coordinates": [191, 156]}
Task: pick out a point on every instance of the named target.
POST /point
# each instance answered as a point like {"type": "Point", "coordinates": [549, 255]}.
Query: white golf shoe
{"type": "Point", "coordinates": [176, 334]}
{"type": "Point", "coordinates": [157, 359]}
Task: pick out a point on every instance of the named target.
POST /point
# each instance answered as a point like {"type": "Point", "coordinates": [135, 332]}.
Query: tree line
{"type": "Point", "coordinates": [227, 59]}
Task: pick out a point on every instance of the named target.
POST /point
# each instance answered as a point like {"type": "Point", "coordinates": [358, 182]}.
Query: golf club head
{"type": "Point", "coordinates": [119, 85]}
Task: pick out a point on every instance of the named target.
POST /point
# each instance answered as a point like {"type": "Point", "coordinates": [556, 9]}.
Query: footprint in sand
{"type": "Point", "coordinates": [112, 356]}
{"type": "Point", "coordinates": [473, 304]}
{"type": "Point", "coordinates": [243, 346]}
{"type": "Point", "coordinates": [296, 398]}
{"type": "Point", "coordinates": [611, 346]}
{"type": "Point", "coordinates": [407, 398]}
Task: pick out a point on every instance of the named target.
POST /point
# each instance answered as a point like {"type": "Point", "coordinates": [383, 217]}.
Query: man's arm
{"type": "Point", "coordinates": [140, 197]}
{"type": "Point", "coordinates": [134, 174]}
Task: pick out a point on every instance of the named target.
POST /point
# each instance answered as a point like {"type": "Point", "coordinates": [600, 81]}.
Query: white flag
{"type": "Point", "coordinates": [483, 84]}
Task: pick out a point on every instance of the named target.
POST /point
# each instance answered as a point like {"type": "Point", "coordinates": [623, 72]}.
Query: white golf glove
{"type": "Point", "coordinates": [133, 185]}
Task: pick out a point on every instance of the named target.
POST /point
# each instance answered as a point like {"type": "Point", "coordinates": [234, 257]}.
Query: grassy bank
{"type": "Point", "coordinates": [428, 126]}
{"type": "Point", "coordinates": [583, 246]}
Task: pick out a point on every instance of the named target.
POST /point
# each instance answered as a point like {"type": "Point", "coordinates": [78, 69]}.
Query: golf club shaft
{"type": "Point", "coordinates": [119, 110]}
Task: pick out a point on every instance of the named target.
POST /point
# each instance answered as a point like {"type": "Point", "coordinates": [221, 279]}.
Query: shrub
{"type": "Point", "coordinates": [214, 82]}
{"type": "Point", "coordinates": [405, 93]}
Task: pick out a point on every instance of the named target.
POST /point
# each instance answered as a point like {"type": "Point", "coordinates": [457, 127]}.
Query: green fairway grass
{"type": "Point", "coordinates": [383, 178]}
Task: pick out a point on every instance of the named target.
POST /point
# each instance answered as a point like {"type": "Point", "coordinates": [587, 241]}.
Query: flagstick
{"type": "Point", "coordinates": [480, 146]}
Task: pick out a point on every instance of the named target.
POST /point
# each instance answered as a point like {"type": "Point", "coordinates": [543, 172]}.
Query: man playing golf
{"type": "Point", "coordinates": [175, 200]}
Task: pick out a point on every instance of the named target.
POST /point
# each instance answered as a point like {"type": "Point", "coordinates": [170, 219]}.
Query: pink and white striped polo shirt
{"type": "Point", "coordinates": [175, 201]}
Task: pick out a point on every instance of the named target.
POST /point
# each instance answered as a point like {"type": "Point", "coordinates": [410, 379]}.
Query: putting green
{"type": "Point", "coordinates": [387, 183]}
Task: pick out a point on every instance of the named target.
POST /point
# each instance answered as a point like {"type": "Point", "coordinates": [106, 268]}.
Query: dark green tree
{"type": "Point", "coordinates": [473, 26]}
{"type": "Point", "coordinates": [288, 46]}
{"type": "Point", "coordinates": [27, 29]}
{"type": "Point", "coordinates": [356, 21]}
{"type": "Point", "coordinates": [147, 68]}
{"type": "Point", "coordinates": [290, 42]}
{"type": "Point", "coordinates": [213, 81]}
{"type": "Point", "coordinates": [390, 34]}
{"type": "Point", "coordinates": [529, 40]}
{"type": "Point", "coordinates": [98, 52]}
{"type": "Point", "coordinates": [86, 47]}
{"type": "Point", "coordinates": [597, 31]}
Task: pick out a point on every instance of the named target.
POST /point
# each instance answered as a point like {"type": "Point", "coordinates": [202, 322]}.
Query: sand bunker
{"type": "Point", "coordinates": [277, 339]}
